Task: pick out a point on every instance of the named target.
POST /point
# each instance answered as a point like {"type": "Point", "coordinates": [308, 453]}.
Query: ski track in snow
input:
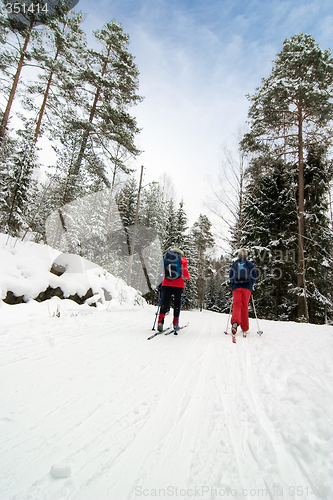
{"type": "Point", "coordinates": [192, 416]}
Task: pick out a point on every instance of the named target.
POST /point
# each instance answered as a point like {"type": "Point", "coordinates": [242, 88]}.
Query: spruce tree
{"type": "Point", "coordinates": [181, 226]}
{"type": "Point", "coordinates": [204, 241]}
{"type": "Point", "coordinates": [177, 235]}
{"type": "Point", "coordinates": [290, 112]}
{"type": "Point", "coordinates": [170, 226]}
{"type": "Point", "coordinates": [152, 220]}
{"type": "Point", "coordinates": [18, 185]}
{"type": "Point", "coordinates": [126, 202]}
{"type": "Point", "coordinates": [318, 236]}
{"type": "Point", "coordinates": [190, 300]}
{"type": "Point", "coordinates": [271, 237]}
{"type": "Point", "coordinates": [152, 210]}
{"type": "Point", "coordinates": [218, 295]}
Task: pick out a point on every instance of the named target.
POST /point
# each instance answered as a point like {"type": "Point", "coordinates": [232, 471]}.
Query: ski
{"type": "Point", "coordinates": [176, 331]}
{"type": "Point", "coordinates": [159, 333]}
{"type": "Point", "coordinates": [245, 334]}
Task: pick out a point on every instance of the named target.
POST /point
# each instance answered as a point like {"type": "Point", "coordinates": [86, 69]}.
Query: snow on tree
{"type": "Point", "coordinates": [290, 113]}
{"type": "Point", "coordinates": [108, 83]}
{"type": "Point", "coordinates": [204, 241]}
{"type": "Point", "coordinates": [271, 236]}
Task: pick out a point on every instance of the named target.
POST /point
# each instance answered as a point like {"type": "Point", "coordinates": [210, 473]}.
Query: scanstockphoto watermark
{"type": "Point", "coordinates": [197, 492]}
{"type": "Point", "coordinates": [271, 256]}
{"type": "Point", "coordinates": [275, 273]}
{"type": "Point", "coordinates": [268, 263]}
{"type": "Point", "coordinates": [200, 492]}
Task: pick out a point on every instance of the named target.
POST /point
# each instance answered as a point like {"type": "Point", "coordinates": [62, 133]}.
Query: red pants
{"type": "Point", "coordinates": [240, 308]}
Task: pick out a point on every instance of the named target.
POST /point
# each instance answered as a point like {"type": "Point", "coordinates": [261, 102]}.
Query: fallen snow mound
{"type": "Point", "coordinates": [25, 273]}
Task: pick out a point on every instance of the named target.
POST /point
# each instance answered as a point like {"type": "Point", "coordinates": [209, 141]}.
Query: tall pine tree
{"type": "Point", "coordinates": [108, 82]}
{"type": "Point", "coordinates": [290, 112]}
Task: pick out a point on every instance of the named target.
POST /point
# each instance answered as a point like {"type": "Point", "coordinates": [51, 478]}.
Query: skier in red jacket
{"type": "Point", "coordinates": [172, 286]}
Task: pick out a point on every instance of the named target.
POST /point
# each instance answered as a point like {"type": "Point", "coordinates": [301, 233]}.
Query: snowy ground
{"type": "Point", "coordinates": [86, 397]}
{"type": "Point", "coordinates": [192, 416]}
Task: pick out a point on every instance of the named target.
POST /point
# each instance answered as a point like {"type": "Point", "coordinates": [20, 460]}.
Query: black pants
{"type": "Point", "coordinates": [167, 291]}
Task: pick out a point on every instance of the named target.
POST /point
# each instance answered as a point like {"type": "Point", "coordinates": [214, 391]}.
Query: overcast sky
{"type": "Point", "coordinates": [197, 60]}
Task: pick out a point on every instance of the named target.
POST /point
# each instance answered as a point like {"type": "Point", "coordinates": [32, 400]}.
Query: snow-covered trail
{"type": "Point", "coordinates": [192, 416]}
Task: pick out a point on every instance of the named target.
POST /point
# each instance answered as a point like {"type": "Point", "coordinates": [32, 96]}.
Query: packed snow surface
{"type": "Point", "coordinates": [93, 410]}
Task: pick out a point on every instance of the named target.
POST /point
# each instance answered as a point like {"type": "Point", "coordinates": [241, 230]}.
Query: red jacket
{"type": "Point", "coordinates": [179, 282]}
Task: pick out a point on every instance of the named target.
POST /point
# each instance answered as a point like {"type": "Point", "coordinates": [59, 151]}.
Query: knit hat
{"type": "Point", "coordinates": [178, 250]}
{"type": "Point", "coordinates": [242, 253]}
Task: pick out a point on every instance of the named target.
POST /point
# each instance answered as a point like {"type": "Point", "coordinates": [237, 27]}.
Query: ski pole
{"type": "Point", "coordinates": [259, 332]}
{"type": "Point", "coordinates": [226, 330]}
{"type": "Point", "coordinates": [180, 307]}
{"type": "Point", "coordinates": [158, 308]}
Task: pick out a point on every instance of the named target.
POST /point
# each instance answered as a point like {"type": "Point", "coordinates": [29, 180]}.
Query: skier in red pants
{"type": "Point", "coordinates": [242, 277]}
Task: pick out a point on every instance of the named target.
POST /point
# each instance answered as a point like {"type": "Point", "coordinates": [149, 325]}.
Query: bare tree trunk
{"type": "Point", "coordinates": [302, 306]}
{"type": "Point", "coordinates": [241, 200]}
{"type": "Point", "coordinates": [130, 263]}
{"type": "Point", "coordinates": [330, 205]}
{"type": "Point", "coordinates": [46, 94]}
{"type": "Point", "coordinates": [15, 83]}
{"type": "Point", "coordinates": [115, 169]}
{"type": "Point", "coordinates": [74, 172]}
{"type": "Point", "coordinates": [145, 271]}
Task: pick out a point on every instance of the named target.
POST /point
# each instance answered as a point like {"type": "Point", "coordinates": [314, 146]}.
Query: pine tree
{"type": "Point", "coordinates": [23, 26]}
{"type": "Point", "coordinates": [108, 83]}
{"type": "Point", "coordinates": [117, 156]}
{"type": "Point", "coordinates": [58, 53]}
{"type": "Point", "coordinates": [290, 112]}
{"type": "Point", "coordinates": [5, 59]}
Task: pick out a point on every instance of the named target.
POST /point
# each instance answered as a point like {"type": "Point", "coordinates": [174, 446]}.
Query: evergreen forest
{"type": "Point", "coordinates": [68, 142]}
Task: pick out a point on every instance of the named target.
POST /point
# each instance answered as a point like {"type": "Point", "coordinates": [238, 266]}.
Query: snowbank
{"type": "Point", "coordinates": [25, 272]}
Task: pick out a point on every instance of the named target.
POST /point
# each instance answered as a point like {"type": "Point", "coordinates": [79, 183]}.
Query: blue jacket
{"type": "Point", "coordinates": [253, 275]}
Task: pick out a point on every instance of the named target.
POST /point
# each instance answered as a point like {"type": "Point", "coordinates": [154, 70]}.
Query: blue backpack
{"type": "Point", "coordinates": [172, 265]}
{"type": "Point", "coordinates": [242, 272]}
